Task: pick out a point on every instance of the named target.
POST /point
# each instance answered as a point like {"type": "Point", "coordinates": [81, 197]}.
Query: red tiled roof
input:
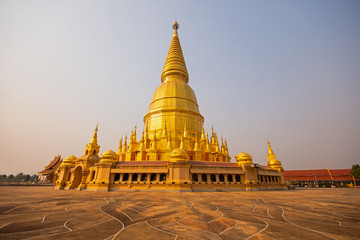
{"type": "Point", "coordinates": [53, 165]}
{"type": "Point", "coordinates": [46, 171]}
{"type": "Point", "coordinates": [321, 175]}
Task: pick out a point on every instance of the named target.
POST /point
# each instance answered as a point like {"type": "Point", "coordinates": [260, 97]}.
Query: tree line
{"type": "Point", "coordinates": [355, 171]}
{"type": "Point", "coordinates": [20, 177]}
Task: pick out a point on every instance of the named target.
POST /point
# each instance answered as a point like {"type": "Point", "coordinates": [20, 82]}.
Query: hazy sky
{"type": "Point", "coordinates": [287, 70]}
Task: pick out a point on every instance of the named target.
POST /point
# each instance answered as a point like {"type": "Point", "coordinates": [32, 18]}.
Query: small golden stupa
{"type": "Point", "coordinates": [174, 152]}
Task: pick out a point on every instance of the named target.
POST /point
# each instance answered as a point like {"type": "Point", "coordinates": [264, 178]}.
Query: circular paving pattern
{"type": "Point", "coordinates": [44, 213]}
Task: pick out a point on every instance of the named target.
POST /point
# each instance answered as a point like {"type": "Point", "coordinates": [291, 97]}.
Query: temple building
{"type": "Point", "coordinates": [321, 178]}
{"type": "Point", "coordinates": [47, 175]}
{"type": "Point", "coordinates": [174, 152]}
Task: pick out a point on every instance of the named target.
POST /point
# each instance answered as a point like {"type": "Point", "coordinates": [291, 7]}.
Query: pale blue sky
{"type": "Point", "coordinates": [287, 70]}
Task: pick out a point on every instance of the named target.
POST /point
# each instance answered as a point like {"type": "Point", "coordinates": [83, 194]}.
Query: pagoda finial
{"type": "Point", "coordinates": [175, 26]}
{"type": "Point", "coordinates": [270, 151]}
{"type": "Point", "coordinates": [175, 62]}
{"type": "Point", "coordinates": [94, 138]}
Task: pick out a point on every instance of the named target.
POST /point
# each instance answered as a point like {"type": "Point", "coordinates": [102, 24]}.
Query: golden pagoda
{"type": "Point", "coordinates": [174, 152]}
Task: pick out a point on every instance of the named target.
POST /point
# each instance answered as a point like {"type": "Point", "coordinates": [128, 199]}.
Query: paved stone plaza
{"type": "Point", "coordinates": [44, 213]}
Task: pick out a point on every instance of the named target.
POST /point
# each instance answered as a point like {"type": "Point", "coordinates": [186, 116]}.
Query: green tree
{"type": "Point", "coordinates": [355, 171]}
{"type": "Point", "coordinates": [34, 178]}
{"type": "Point", "coordinates": [27, 178]}
{"type": "Point", "coordinates": [19, 177]}
{"type": "Point", "coordinates": [10, 178]}
{"type": "Point", "coordinates": [3, 178]}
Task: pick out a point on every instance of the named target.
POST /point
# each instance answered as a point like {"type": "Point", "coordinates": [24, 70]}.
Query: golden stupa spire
{"type": "Point", "coordinates": [164, 133]}
{"type": "Point", "coordinates": [270, 151]}
{"type": "Point", "coordinates": [120, 147]}
{"type": "Point", "coordinates": [134, 134]}
{"type": "Point", "coordinates": [175, 62]}
{"type": "Point", "coordinates": [196, 144]}
{"type": "Point", "coordinates": [142, 147]}
{"type": "Point", "coordinates": [186, 134]}
{"type": "Point", "coordinates": [202, 138]}
{"type": "Point", "coordinates": [153, 147]}
{"type": "Point", "coordinates": [131, 137]}
{"type": "Point", "coordinates": [146, 131]}
{"type": "Point", "coordinates": [94, 138]}
{"type": "Point", "coordinates": [168, 144]}
{"type": "Point", "coordinates": [272, 160]}
{"type": "Point", "coordinates": [182, 143]}
{"type": "Point", "coordinates": [222, 145]}
{"type": "Point", "coordinates": [125, 144]}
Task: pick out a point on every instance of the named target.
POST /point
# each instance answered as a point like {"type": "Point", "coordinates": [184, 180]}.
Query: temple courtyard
{"type": "Point", "coordinates": [44, 213]}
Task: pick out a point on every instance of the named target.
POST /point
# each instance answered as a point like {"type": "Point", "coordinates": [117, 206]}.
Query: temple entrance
{"type": "Point", "coordinates": [77, 177]}
{"type": "Point", "coordinates": [204, 177]}
{"type": "Point", "coordinates": [212, 178]}
{"type": "Point", "coordinates": [117, 177]}
{"type": "Point", "coordinates": [153, 177]}
{"type": "Point", "coordinates": [162, 177]}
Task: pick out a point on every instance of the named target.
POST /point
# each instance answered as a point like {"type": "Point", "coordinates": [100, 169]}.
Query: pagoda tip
{"type": "Point", "coordinates": [176, 25]}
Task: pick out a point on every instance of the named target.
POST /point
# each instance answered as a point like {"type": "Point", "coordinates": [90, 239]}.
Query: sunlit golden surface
{"type": "Point", "coordinates": [173, 153]}
{"type": "Point", "coordinates": [44, 213]}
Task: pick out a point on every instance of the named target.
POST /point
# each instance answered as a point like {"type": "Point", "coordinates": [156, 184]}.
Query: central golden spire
{"type": "Point", "coordinates": [174, 118]}
{"type": "Point", "coordinates": [175, 62]}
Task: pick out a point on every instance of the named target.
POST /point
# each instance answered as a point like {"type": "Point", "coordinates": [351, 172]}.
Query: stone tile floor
{"type": "Point", "coordinates": [44, 213]}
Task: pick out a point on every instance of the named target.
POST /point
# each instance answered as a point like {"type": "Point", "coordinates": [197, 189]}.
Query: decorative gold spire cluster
{"type": "Point", "coordinates": [175, 62]}
{"type": "Point", "coordinates": [159, 146]}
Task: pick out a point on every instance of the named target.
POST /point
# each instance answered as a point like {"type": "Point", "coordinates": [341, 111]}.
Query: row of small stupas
{"type": "Point", "coordinates": [174, 153]}
{"type": "Point", "coordinates": [199, 148]}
